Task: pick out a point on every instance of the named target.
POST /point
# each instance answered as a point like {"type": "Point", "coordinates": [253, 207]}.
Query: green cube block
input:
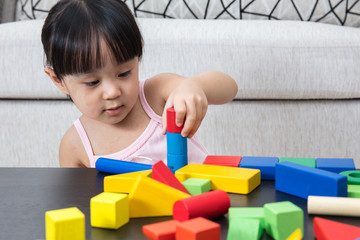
{"type": "Point", "coordinates": [244, 228]}
{"type": "Point", "coordinates": [310, 162]}
{"type": "Point", "coordinates": [249, 213]}
{"type": "Point", "coordinates": [354, 191]}
{"type": "Point", "coordinates": [282, 219]}
{"type": "Point", "coordinates": [197, 186]}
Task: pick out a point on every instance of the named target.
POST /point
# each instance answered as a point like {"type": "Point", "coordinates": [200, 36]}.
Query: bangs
{"type": "Point", "coordinates": [87, 31]}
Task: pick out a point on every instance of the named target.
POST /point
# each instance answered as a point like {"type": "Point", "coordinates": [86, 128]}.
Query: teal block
{"type": "Point", "coordinates": [249, 213]}
{"type": "Point", "coordinates": [310, 162]}
{"type": "Point", "coordinates": [244, 228]}
{"type": "Point", "coordinates": [197, 186]}
{"type": "Point", "coordinates": [282, 219]}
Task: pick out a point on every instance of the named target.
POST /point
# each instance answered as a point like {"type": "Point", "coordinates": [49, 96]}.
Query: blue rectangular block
{"type": "Point", "coordinates": [175, 162]}
{"type": "Point", "coordinates": [266, 165]}
{"type": "Point", "coordinates": [303, 181]}
{"type": "Point", "coordinates": [176, 144]}
{"type": "Point", "coordinates": [118, 167]}
{"type": "Point", "coordinates": [336, 165]}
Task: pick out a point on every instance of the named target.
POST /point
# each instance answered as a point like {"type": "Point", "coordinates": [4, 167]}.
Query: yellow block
{"type": "Point", "coordinates": [229, 179]}
{"type": "Point", "coordinates": [150, 198]}
{"type": "Point", "coordinates": [296, 235]}
{"type": "Point", "coordinates": [123, 183]}
{"type": "Point", "coordinates": [67, 223]}
{"type": "Point", "coordinates": [109, 210]}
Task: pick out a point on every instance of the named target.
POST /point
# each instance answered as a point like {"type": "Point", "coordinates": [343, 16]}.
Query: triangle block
{"type": "Point", "coordinates": [150, 198]}
{"type": "Point", "coordinates": [161, 173]}
{"type": "Point", "coordinates": [123, 183]}
{"type": "Point", "coordinates": [331, 230]}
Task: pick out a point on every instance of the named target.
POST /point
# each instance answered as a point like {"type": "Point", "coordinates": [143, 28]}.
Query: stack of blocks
{"type": "Point", "coordinates": [177, 155]}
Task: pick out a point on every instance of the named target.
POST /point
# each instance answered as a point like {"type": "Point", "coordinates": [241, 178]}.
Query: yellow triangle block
{"type": "Point", "coordinates": [123, 183]}
{"type": "Point", "coordinates": [229, 179]}
{"type": "Point", "coordinates": [150, 198]}
{"type": "Point", "coordinates": [296, 235]}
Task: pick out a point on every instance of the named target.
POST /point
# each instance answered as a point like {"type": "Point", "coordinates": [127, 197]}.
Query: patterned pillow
{"type": "Point", "coordinates": [340, 12]}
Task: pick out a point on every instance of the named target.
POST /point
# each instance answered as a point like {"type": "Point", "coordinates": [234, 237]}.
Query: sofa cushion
{"type": "Point", "coordinates": [268, 59]}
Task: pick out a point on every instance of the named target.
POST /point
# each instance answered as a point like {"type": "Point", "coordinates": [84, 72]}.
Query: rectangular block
{"type": "Point", "coordinates": [176, 144]}
{"type": "Point", "coordinates": [310, 162]}
{"type": "Point", "coordinates": [160, 231]}
{"type": "Point", "coordinates": [336, 165]}
{"type": "Point", "coordinates": [63, 224]}
{"type": "Point", "coordinates": [197, 186]}
{"type": "Point", "coordinates": [282, 219]}
{"type": "Point", "coordinates": [228, 161]}
{"type": "Point", "coordinates": [354, 191]}
{"type": "Point", "coordinates": [244, 228]}
{"type": "Point", "coordinates": [229, 179]}
{"type": "Point", "coordinates": [123, 183]}
{"type": "Point", "coordinates": [302, 181]}
{"type": "Point", "coordinates": [266, 165]}
{"type": "Point", "coordinates": [248, 213]}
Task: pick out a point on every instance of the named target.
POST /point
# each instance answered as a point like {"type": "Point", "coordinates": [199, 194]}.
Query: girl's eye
{"type": "Point", "coordinates": [124, 74]}
{"type": "Point", "coordinates": [93, 83]}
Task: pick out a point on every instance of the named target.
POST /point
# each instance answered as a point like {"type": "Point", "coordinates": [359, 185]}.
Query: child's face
{"type": "Point", "coordinates": [107, 94]}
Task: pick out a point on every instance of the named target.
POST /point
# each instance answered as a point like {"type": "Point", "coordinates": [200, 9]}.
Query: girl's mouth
{"type": "Point", "coordinates": [113, 111]}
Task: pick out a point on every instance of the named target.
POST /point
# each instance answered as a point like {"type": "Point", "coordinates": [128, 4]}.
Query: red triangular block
{"type": "Point", "coordinates": [331, 230]}
{"type": "Point", "coordinates": [161, 173]}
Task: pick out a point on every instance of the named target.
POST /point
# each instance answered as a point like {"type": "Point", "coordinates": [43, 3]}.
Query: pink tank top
{"type": "Point", "coordinates": [150, 147]}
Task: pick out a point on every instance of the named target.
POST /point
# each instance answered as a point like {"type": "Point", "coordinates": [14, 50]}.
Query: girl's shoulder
{"type": "Point", "coordinates": [72, 152]}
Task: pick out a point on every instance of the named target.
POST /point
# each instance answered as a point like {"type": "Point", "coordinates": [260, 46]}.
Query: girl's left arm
{"type": "Point", "coordinates": [190, 96]}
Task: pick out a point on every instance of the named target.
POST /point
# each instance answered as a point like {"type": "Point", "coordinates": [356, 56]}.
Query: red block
{"type": "Point", "coordinates": [198, 229]}
{"type": "Point", "coordinates": [331, 230]}
{"type": "Point", "coordinates": [228, 161]}
{"type": "Point", "coordinates": [210, 204]}
{"type": "Point", "coordinates": [161, 173]}
{"type": "Point", "coordinates": [160, 231]}
{"type": "Point", "coordinates": [171, 121]}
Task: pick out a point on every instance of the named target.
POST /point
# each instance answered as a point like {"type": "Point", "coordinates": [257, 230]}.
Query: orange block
{"type": "Point", "coordinates": [325, 229]}
{"type": "Point", "coordinates": [198, 229]}
{"type": "Point", "coordinates": [160, 231]}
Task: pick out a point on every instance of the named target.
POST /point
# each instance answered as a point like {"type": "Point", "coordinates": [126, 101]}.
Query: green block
{"type": "Point", "coordinates": [249, 213]}
{"type": "Point", "coordinates": [197, 186]}
{"type": "Point", "coordinates": [354, 191]}
{"type": "Point", "coordinates": [353, 176]}
{"type": "Point", "coordinates": [244, 228]}
{"type": "Point", "coordinates": [282, 219]}
{"type": "Point", "coordinates": [310, 162]}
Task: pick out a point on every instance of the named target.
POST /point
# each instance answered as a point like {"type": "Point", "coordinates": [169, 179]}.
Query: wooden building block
{"type": "Point", "coordinates": [228, 161]}
{"type": "Point", "coordinates": [353, 177]}
{"type": "Point", "coordinates": [150, 198]}
{"type": "Point", "coordinates": [310, 162]}
{"type": "Point", "coordinates": [336, 165]}
{"type": "Point", "coordinates": [229, 179]}
{"type": "Point", "coordinates": [176, 161]}
{"type": "Point", "coordinates": [176, 144]}
{"type": "Point", "coordinates": [123, 183]}
{"type": "Point", "coordinates": [266, 165]}
{"type": "Point", "coordinates": [196, 186]}
{"type": "Point", "coordinates": [160, 231]}
{"type": "Point", "coordinates": [282, 219]}
{"type": "Point", "coordinates": [296, 235]}
{"type": "Point", "coordinates": [298, 180]}
{"type": "Point", "coordinates": [354, 191]}
{"type": "Point", "coordinates": [198, 229]}
{"type": "Point", "coordinates": [161, 173]}
{"type": "Point", "coordinates": [244, 228]}
{"type": "Point", "coordinates": [64, 224]}
{"type": "Point", "coordinates": [118, 166]}
{"type": "Point", "coordinates": [171, 121]}
{"type": "Point", "coordinates": [208, 205]}
{"type": "Point", "coordinates": [331, 230]}
{"type": "Point", "coordinates": [341, 206]}
{"type": "Point", "coordinates": [248, 213]}
{"type": "Point", "coordinates": [109, 210]}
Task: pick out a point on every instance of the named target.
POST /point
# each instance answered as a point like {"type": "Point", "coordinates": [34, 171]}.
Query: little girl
{"type": "Point", "coordinates": [93, 49]}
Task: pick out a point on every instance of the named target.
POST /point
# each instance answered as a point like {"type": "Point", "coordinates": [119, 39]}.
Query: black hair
{"type": "Point", "coordinates": [74, 29]}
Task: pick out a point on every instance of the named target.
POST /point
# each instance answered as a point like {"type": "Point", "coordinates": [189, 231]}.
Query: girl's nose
{"type": "Point", "coordinates": [111, 90]}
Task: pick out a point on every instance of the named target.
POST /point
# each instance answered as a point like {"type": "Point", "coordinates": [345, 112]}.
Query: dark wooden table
{"type": "Point", "coordinates": [27, 193]}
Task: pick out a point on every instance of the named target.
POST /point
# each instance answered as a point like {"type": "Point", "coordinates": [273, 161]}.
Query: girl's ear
{"type": "Point", "coordinates": [59, 84]}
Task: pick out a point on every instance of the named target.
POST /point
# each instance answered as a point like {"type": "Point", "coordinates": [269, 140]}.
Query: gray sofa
{"type": "Point", "coordinates": [299, 88]}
